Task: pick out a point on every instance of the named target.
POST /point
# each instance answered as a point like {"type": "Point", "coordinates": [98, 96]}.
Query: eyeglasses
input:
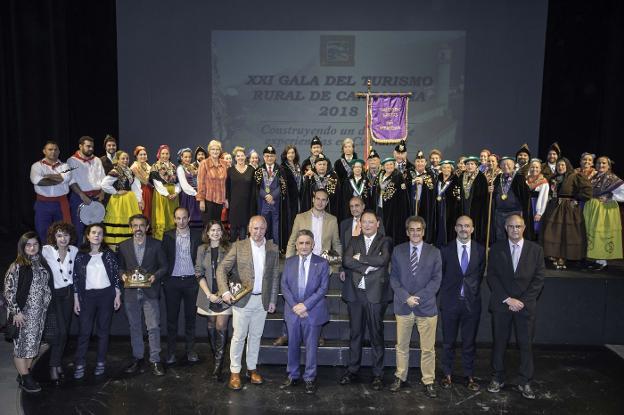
{"type": "Point", "coordinates": [515, 226]}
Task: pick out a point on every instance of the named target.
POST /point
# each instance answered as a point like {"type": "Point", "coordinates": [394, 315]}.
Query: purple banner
{"type": "Point", "coordinates": [388, 118]}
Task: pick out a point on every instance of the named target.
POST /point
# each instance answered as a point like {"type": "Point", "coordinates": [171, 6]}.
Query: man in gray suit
{"type": "Point", "coordinates": [144, 252]}
{"type": "Point", "coordinates": [415, 277]}
{"type": "Point", "coordinates": [255, 260]}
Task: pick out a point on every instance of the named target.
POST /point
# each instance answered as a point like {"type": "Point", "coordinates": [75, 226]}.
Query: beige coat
{"type": "Point", "coordinates": [331, 236]}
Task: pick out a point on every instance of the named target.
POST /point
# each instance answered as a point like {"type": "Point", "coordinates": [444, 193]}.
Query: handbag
{"type": "Point", "coordinates": [11, 331]}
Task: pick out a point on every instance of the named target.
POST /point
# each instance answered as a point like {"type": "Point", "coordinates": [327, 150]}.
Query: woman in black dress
{"type": "Point", "coordinates": [240, 194]}
{"type": "Point", "coordinates": [290, 170]}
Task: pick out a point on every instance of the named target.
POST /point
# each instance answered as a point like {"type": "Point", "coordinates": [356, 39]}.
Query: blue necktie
{"type": "Point", "coordinates": [301, 280]}
{"type": "Point", "coordinates": [414, 260]}
{"type": "Point", "coordinates": [464, 267]}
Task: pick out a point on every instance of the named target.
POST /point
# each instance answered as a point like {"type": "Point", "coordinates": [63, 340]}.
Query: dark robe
{"type": "Point", "coordinates": [395, 208]}
{"type": "Point", "coordinates": [309, 163]}
{"type": "Point", "coordinates": [427, 190]}
{"type": "Point", "coordinates": [291, 201]}
{"type": "Point", "coordinates": [518, 200]}
{"type": "Point", "coordinates": [343, 168]}
{"type": "Point", "coordinates": [329, 183]}
{"type": "Point", "coordinates": [447, 208]}
{"type": "Point", "coordinates": [348, 189]}
{"type": "Point", "coordinates": [475, 204]}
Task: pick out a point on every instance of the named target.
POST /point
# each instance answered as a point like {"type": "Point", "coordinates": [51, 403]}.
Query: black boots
{"type": "Point", "coordinates": [28, 384]}
{"type": "Point", "coordinates": [218, 340]}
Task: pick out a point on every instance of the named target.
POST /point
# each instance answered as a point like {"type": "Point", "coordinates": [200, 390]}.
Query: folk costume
{"type": "Point", "coordinates": [163, 177]}
{"type": "Point", "coordinates": [52, 204]}
{"type": "Point", "coordinates": [187, 177]}
{"type": "Point", "coordinates": [141, 172]}
{"type": "Point", "coordinates": [120, 206]}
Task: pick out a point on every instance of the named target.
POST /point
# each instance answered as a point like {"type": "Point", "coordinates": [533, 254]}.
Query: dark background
{"type": "Point", "coordinates": [58, 79]}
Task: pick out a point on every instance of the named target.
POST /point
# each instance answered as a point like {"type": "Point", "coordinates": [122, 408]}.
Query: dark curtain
{"type": "Point", "coordinates": [583, 91]}
{"type": "Point", "coordinates": [58, 80]}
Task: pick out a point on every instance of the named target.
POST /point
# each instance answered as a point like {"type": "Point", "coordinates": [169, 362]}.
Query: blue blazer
{"type": "Point", "coordinates": [452, 276]}
{"type": "Point", "coordinates": [109, 258]}
{"type": "Point", "coordinates": [424, 284]}
{"type": "Point", "coordinates": [315, 291]}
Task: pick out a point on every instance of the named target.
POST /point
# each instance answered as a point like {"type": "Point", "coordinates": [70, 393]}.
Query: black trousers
{"type": "Point", "coordinates": [179, 290]}
{"type": "Point", "coordinates": [63, 300]}
{"type": "Point", "coordinates": [212, 212]}
{"type": "Point", "coordinates": [524, 323]}
{"type": "Point", "coordinates": [365, 315]}
{"type": "Point", "coordinates": [97, 305]}
{"type": "Point", "coordinates": [459, 319]}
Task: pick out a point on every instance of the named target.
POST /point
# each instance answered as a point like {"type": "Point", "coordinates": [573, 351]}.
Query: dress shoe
{"type": "Point", "coordinates": [396, 385]}
{"type": "Point", "coordinates": [135, 366]}
{"type": "Point", "coordinates": [281, 341]}
{"type": "Point", "coordinates": [377, 383]}
{"type": "Point", "coordinates": [430, 391]}
{"type": "Point", "coordinates": [321, 341]}
{"type": "Point", "coordinates": [289, 383]}
{"type": "Point", "coordinates": [310, 387]}
{"type": "Point", "coordinates": [526, 391]}
{"type": "Point", "coordinates": [348, 378]}
{"type": "Point", "coordinates": [472, 384]}
{"type": "Point", "coordinates": [495, 386]}
{"type": "Point", "coordinates": [158, 369]}
{"type": "Point", "coordinates": [192, 357]}
{"type": "Point", "coordinates": [171, 360]}
{"type": "Point", "coordinates": [446, 382]}
{"type": "Point", "coordinates": [255, 377]}
{"type": "Point", "coordinates": [235, 381]}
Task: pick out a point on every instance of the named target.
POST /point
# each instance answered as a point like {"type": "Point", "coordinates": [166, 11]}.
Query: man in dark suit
{"type": "Point", "coordinates": [180, 283]}
{"type": "Point", "coordinates": [144, 252]}
{"type": "Point", "coordinates": [351, 227]}
{"type": "Point", "coordinates": [415, 277]}
{"type": "Point", "coordinates": [463, 265]}
{"type": "Point", "coordinates": [110, 148]}
{"type": "Point", "coordinates": [367, 294]}
{"type": "Point", "coordinates": [515, 274]}
{"type": "Point", "coordinates": [305, 281]}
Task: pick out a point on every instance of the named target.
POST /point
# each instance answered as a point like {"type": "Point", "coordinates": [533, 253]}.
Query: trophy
{"type": "Point", "coordinates": [332, 257]}
{"type": "Point", "coordinates": [137, 278]}
{"type": "Point", "coordinates": [237, 288]}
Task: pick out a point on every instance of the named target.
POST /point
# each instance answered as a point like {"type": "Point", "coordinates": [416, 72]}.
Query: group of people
{"type": "Point", "coordinates": [393, 231]}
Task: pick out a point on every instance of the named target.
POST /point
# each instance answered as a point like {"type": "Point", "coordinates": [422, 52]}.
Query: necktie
{"type": "Point", "coordinates": [270, 171]}
{"type": "Point", "coordinates": [414, 260]}
{"type": "Point", "coordinates": [515, 254]}
{"type": "Point", "coordinates": [367, 242]}
{"type": "Point", "coordinates": [464, 267]}
{"type": "Point", "coordinates": [301, 280]}
{"type": "Point", "coordinates": [358, 228]}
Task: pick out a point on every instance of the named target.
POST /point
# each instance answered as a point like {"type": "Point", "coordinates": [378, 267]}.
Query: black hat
{"type": "Point", "coordinates": [320, 157]}
{"type": "Point", "coordinates": [555, 147]}
{"type": "Point", "coordinates": [524, 149]}
{"type": "Point", "coordinates": [269, 150]}
{"type": "Point", "coordinates": [372, 153]}
{"type": "Point", "coordinates": [420, 155]}
{"type": "Point", "coordinates": [200, 149]}
{"type": "Point", "coordinates": [400, 148]}
{"type": "Point", "coordinates": [316, 141]}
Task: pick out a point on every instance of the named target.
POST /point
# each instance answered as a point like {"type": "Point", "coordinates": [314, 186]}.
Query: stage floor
{"type": "Point", "coordinates": [567, 381]}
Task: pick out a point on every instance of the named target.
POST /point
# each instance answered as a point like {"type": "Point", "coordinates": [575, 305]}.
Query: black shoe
{"type": "Point", "coordinates": [495, 386]}
{"type": "Point", "coordinates": [310, 387]}
{"type": "Point", "coordinates": [446, 382]}
{"type": "Point", "coordinates": [158, 369]}
{"type": "Point", "coordinates": [430, 391]}
{"type": "Point", "coordinates": [135, 366]}
{"type": "Point", "coordinates": [472, 384]}
{"type": "Point", "coordinates": [348, 378]}
{"type": "Point", "coordinates": [219, 349]}
{"type": "Point", "coordinates": [192, 357]}
{"type": "Point", "coordinates": [28, 384]}
{"type": "Point", "coordinates": [289, 383]}
{"type": "Point", "coordinates": [377, 383]}
{"type": "Point", "coordinates": [396, 385]}
{"type": "Point", "coordinates": [526, 391]}
{"type": "Point", "coordinates": [55, 376]}
{"type": "Point", "coordinates": [171, 360]}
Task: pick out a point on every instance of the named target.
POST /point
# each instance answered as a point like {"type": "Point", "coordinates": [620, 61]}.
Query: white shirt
{"type": "Point", "coordinates": [162, 189]}
{"type": "Point", "coordinates": [306, 267]}
{"type": "Point", "coordinates": [88, 175]}
{"type": "Point", "coordinates": [520, 243]}
{"type": "Point", "coordinates": [418, 246]}
{"type": "Point", "coordinates": [368, 241]}
{"type": "Point", "coordinates": [542, 198]}
{"type": "Point", "coordinates": [258, 254]}
{"type": "Point", "coordinates": [97, 278]}
{"type": "Point", "coordinates": [107, 186]}
{"type": "Point", "coordinates": [317, 230]}
{"type": "Point", "coordinates": [40, 169]}
{"type": "Point", "coordinates": [184, 184]}
{"type": "Point", "coordinates": [552, 167]}
{"type": "Point", "coordinates": [460, 250]}
{"type": "Point", "coordinates": [61, 271]}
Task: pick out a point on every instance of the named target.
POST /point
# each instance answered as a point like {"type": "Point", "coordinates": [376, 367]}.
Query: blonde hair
{"type": "Point", "coordinates": [237, 149]}
{"type": "Point", "coordinates": [345, 142]}
{"type": "Point", "coordinates": [118, 154]}
{"type": "Point", "coordinates": [215, 143]}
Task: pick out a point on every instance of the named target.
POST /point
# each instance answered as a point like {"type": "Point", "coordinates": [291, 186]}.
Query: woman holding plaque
{"type": "Point", "coordinates": [96, 295]}
{"type": "Point", "coordinates": [60, 255]}
{"type": "Point", "coordinates": [165, 180]}
{"type": "Point", "coordinates": [209, 302]}
{"type": "Point", "coordinates": [141, 170]}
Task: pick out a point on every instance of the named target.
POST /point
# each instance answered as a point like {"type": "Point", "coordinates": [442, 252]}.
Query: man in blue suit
{"type": "Point", "coordinates": [463, 265]}
{"type": "Point", "coordinates": [415, 277]}
{"type": "Point", "coordinates": [305, 281]}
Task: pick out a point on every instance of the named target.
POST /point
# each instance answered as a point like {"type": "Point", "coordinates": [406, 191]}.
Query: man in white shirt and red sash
{"type": "Point", "coordinates": [87, 176]}
{"type": "Point", "coordinates": [51, 179]}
